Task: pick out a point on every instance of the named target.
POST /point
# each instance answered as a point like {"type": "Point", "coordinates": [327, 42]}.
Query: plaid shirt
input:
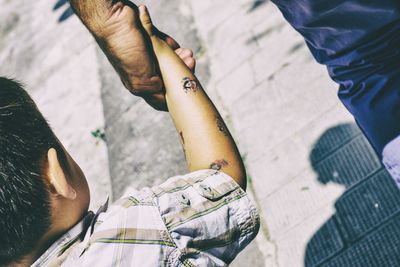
{"type": "Point", "coordinates": [200, 219]}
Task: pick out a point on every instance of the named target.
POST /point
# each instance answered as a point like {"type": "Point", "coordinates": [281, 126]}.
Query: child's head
{"type": "Point", "coordinates": [43, 192]}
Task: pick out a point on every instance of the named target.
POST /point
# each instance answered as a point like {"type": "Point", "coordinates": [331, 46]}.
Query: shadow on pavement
{"type": "Point", "coordinates": [364, 230]}
{"type": "Point", "coordinates": [68, 12]}
{"type": "Point", "coordinates": [257, 4]}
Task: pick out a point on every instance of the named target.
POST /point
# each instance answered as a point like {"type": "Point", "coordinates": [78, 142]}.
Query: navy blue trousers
{"type": "Point", "coordinates": [359, 42]}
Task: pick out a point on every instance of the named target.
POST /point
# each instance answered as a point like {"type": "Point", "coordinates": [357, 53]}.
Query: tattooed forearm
{"type": "Point", "coordinates": [219, 164]}
{"type": "Point", "coordinates": [190, 85]}
{"type": "Point", "coordinates": [221, 126]}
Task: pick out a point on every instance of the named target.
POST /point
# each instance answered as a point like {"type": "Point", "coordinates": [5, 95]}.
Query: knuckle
{"type": "Point", "coordinates": [135, 92]}
{"type": "Point", "coordinates": [179, 51]}
{"type": "Point", "coordinates": [188, 52]}
{"type": "Point", "coordinates": [140, 89]}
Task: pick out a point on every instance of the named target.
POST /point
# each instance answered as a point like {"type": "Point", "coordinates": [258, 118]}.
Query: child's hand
{"type": "Point", "coordinates": [187, 57]}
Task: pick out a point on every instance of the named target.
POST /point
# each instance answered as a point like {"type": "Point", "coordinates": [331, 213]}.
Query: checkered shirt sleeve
{"type": "Point", "coordinates": [208, 216]}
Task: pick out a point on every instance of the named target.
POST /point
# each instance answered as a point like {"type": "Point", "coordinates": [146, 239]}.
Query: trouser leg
{"type": "Point", "coordinates": [359, 42]}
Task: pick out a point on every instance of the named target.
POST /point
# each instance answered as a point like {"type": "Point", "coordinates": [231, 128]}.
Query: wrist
{"type": "Point", "coordinates": [157, 101]}
{"type": "Point", "coordinates": [159, 45]}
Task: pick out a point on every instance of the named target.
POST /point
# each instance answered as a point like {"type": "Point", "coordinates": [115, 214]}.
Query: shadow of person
{"type": "Point", "coordinates": [367, 216]}
{"type": "Point", "coordinates": [256, 4]}
{"type": "Point", "coordinates": [67, 13]}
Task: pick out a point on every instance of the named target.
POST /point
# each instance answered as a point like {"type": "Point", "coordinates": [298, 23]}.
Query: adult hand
{"type": "Point", "coordinates": [117, 29]}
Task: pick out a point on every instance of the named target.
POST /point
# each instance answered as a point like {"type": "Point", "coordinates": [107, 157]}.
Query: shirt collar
{"type": "Point", "coordinates": [75, 234]}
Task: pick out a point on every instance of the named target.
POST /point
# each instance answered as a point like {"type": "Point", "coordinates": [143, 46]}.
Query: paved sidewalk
{"type": "Point", "coordinates": [258, 74]}
{"type": "Point", "coordinates": [325, 199]}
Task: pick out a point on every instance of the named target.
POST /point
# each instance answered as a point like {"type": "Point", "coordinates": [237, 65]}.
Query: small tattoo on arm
{"type": "Point", "coordinates": [190, 85]}
{"type": "Point", "coordinates": [183, 143]}
{"type": "Point", "coordinates": [219, 164]}
{"type": "Point", "coordinates": [221, 126]}
{"type": "Point", "coordinates": [182, 138]}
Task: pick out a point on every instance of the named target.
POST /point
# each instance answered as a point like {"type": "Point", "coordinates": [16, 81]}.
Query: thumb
{"type": "Point", "coordinates": [168, 39]}
{"type": "Point", "coordinates": [145, 19]}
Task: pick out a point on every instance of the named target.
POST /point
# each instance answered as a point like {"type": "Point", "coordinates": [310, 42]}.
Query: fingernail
{"type": "Point", "coordinates": [142, 9]}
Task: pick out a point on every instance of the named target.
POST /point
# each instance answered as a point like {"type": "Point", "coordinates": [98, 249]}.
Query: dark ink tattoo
{"type": "Point", "coordinates": [182, 138]}
{"type": "Point", "coordinates": [190, 85]}
{"type": "Point", "coordinates": [183, 143]}
{"type": "Point", "coordinates": [221, 126]}
{"type": "Point", "coordinates": [218, 164]}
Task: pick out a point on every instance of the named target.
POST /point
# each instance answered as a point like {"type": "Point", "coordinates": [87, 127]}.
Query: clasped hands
{"type": "Point", "coordinates": [117, 29]}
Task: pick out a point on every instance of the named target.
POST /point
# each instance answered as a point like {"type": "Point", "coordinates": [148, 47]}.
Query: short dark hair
{"type": "Point", "coordinates": [25, 138]}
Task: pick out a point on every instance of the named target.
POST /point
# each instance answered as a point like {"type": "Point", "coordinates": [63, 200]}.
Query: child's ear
{"type": "Point", "coordinates": [57, 177]}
